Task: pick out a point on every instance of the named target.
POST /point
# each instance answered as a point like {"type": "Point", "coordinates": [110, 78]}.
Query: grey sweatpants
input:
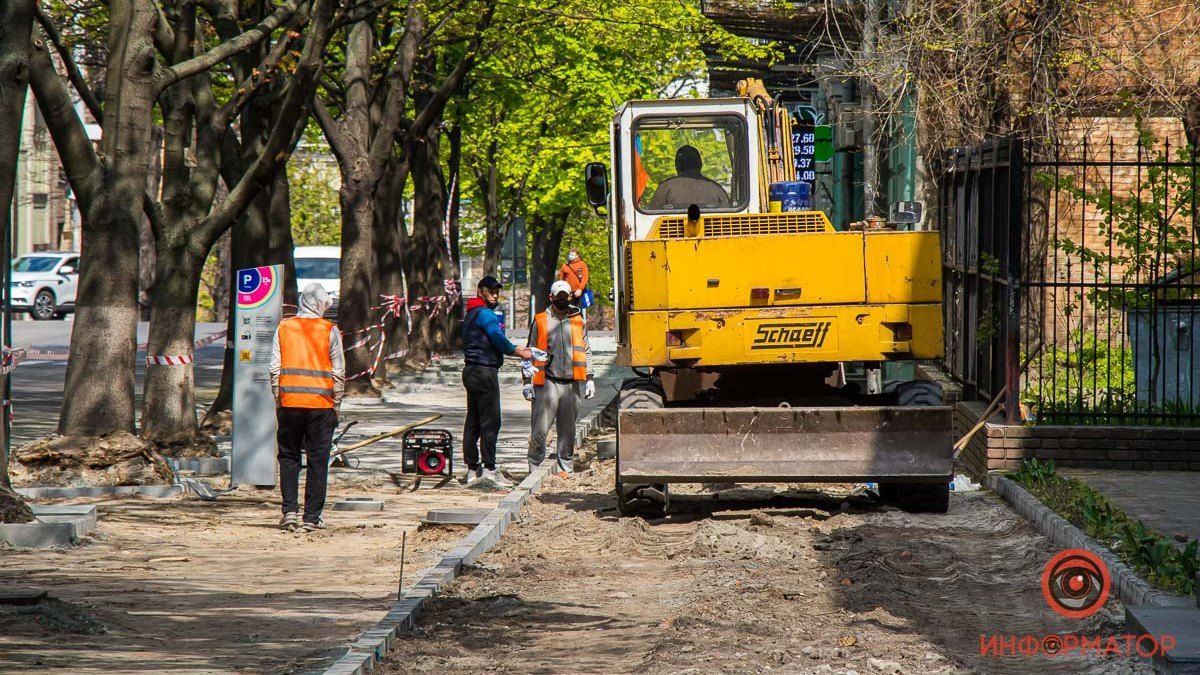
{"type": "Point", "coordinates": [554, 404]}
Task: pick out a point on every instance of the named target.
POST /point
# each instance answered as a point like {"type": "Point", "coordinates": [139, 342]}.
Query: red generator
{"type": "Point", "coordinates": [429, 452]}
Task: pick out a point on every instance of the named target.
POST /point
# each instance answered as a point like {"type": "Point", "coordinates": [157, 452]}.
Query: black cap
{"type": "Point", "coordinates": [490, 282]}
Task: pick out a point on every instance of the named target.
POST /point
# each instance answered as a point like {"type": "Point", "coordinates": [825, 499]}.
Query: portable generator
{"type": "Point", "coordinates": [429, 452]}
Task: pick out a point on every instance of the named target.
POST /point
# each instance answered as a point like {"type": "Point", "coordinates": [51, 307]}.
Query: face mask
{"type": "Point", "coordinates": [572, 257]}
{"type": "Point", "coordinates": [562, 303]}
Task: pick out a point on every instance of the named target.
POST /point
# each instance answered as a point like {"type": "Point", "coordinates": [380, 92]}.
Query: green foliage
{"type": "Point", "coordinates": [1034, 472]}
{"type": "Point", "coordinates": [1086, 373]}
{"type": "Point", "coordinates": [539, 106]}
{"type": "Point", "coordinates": [313, 182]}
{"type": "Point", "coordinates": [1151, 554]}
{"type": "Point", "coordinates": [1144, 234]}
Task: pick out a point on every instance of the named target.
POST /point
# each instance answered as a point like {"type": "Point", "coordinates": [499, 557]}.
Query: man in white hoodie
{"type": "Point", "coordinates": [560, 379]}
{"type": "Point", "coordinates": [308, 376]}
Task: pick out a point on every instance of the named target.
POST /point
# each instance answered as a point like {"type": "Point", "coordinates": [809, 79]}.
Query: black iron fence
{"type": "Point", "coordinates": [1110, 325]}
{"type": "Point", "coordinates": [1071, 280]}
{"type": "Point", "coordinates": [979, 215]}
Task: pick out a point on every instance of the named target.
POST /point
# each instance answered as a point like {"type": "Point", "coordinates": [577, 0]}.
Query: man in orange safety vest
{"type": "Point", "coordinates": [308, 375]}
{"type": "Point", "coordinates": [561, 379]}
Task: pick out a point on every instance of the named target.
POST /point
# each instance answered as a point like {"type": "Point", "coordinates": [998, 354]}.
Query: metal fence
{"type": "Point", "coordinates": [979, 215]}
{"type": "Point", "coordinates": [1108, 285]}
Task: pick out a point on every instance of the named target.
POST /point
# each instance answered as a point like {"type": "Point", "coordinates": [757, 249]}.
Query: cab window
{"type": "Point", "coordinates": [693, 159]}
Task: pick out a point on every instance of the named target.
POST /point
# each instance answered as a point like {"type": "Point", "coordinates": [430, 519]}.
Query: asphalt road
{"type": "Point", "coordinates": [37, 384]}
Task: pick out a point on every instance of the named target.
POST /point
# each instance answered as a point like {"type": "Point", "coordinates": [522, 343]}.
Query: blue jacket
{"type": "Point", "coordinates": [484, 343]}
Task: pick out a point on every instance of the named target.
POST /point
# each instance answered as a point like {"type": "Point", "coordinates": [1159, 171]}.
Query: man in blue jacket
{"type": "Point", "coordinates": [484, 346]}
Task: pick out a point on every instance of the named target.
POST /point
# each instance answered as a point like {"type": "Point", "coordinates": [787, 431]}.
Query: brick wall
{"type": "Point", "coordinates": [1001, 447]}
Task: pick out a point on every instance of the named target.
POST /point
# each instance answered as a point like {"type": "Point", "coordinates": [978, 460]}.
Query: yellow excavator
{"type": "Point", "coordinates": [740, 309]}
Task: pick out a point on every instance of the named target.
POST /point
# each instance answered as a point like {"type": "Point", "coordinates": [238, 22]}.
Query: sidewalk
{"type": "Point", "coordinates": [1167, 501]}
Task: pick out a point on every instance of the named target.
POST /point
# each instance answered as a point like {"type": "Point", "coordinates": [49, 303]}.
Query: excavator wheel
{"type": "Point", "coordinates": [639, 393]}
{"type": "Point", "coordinates": [918, 497]}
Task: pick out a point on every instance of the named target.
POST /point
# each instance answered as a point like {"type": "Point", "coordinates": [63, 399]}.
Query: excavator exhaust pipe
{"type": "Point", "coordinates": [779, 445]}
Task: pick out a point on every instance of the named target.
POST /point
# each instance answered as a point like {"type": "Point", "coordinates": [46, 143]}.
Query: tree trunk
{"type": "Point", "coordinates": [389, 220]}
{"type": "Point", "coordinates": [454, 304]}
{"type": "Point", "coordinates": [220, 290]}
{"type": "Point", "coordinates": [359, 284]}
{"type": "Point", "coordinates": [547, 242]}
{"type": "Point", "coordinates": [169, 416]}
{"type": "Point", "coordinates": [426, 250]}
{"type": "Point", "coordinates": [104, 333]}
{"type": "Point", "coordinates": [147, 263]}
{"type": "Point", "coordinates": [16, 26]}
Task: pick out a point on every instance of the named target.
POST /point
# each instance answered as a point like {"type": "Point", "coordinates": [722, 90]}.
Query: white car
{"type": "Point", "coordinates": [322, 264]}
{"type": "Point", "coordinates": [44, 284]}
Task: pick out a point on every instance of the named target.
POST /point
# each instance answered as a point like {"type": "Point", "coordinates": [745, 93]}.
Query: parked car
{"type": "Point", "coordinates": [44, 284]}
{"type": "Point", "coordinates": [322, 264]}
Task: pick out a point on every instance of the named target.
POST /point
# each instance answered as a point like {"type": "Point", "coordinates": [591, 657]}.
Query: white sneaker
{"type": "Point", "coordinates": [497, 478]}
{"type": "Point", "coordinates": [472, 475]}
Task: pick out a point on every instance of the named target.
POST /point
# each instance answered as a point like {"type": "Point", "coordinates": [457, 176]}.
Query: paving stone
{"type": "Point", "coordinates": [1181, 622]}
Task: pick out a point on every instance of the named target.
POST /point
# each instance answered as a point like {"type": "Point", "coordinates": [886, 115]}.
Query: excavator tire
{"type": "Point", "coordinates": [639, 393]}
{"type": "Point", "coordinates": [918, 497]}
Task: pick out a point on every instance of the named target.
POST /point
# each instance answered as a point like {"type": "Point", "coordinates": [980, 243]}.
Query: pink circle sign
{"type": "Point", "coordinates": [255, 287]}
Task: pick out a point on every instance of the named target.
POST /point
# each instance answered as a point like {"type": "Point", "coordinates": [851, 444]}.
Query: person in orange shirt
{"type": "Point", "coordinates": [575, 273]}
{"type": "Point", "coordinates": [308, 378]}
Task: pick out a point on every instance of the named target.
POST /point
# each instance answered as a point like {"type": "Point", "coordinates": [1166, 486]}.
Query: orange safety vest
{"type": "Point", "coordinates": [305, 370]}
{"type": "Point", "coordinates": [578, 348]}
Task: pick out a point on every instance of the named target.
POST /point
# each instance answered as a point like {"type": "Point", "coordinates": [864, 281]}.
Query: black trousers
{"type": "Point", "coordinates": [310, 430]}
{"type": "Point", "coordinates": [483, 415]}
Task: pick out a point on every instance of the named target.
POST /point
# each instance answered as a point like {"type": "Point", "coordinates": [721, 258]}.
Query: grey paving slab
{"type": "Point", "coordinates": [1181, 623]}
{"type": "Point", "coordinates": [1168, 501]}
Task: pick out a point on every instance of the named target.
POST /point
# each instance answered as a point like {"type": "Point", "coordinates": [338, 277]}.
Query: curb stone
{"type": "Point", "coordinates": [365, 653]}
{"type": "Point", "coordinates": [49, 492]}
{"type": "Point", "coordinates": [1131, 588]}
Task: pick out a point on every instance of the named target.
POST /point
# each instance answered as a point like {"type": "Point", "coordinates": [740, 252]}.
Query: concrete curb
{"type": "Point", "coordinates": [56, 526]}
{"type": "Point", "coordinates": [1132, 589]}
{"type": "Point", "coordinates": [48, 492]}
{"type": "Point", "coordinates": [366, 652]}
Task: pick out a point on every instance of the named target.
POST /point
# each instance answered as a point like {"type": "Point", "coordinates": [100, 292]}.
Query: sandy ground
{"type": "Point", "coordinates": [802, 581]}
{"type": "Point", "coordinates": [186, 586]}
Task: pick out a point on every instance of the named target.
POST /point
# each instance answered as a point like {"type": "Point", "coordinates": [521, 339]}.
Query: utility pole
{"type": "Point", "coordinates": [870, 43]}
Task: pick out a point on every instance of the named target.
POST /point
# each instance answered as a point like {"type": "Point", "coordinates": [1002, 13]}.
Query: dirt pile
{"type": "Point", "coordinates": [117, 459]}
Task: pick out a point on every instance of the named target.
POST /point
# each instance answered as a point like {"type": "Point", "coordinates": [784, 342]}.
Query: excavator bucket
{"type": "Point", "coordinates": [705, 445]}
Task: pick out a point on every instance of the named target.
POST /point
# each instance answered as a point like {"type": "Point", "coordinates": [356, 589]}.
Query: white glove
{"type": "Point", "coordinates": [528, 369]}
{"type": "Point", "coordinates": [527, 392]}
{"type": "Point", "coordinates": [589, 389]}
{"type": "Point", "coordinates": [539, 355]}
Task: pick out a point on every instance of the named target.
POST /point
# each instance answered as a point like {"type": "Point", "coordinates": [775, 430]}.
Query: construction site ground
{"type": "Point", "coordinates": [785, 579]}
{"type": "Point", "coordinates": [185, 586]}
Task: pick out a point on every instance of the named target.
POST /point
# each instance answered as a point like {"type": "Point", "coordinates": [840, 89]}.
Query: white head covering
{"type": "Point", "coordinates": [559, 286]}
{"type": "Point", "coordinates": [314, 300]}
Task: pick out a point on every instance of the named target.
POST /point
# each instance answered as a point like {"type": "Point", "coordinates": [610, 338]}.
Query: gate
{"type": "Point", "coordinates": [979, 215]}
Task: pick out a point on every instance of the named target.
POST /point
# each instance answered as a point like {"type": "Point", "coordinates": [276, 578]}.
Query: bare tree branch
{"type": "Point", "coordinates": [81, 86]}
{"type": "Point", "coordinates": [229, 48]}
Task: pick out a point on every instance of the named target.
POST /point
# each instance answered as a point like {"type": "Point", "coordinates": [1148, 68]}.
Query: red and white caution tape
{"type": "Point", "coordinates": [12, 359]}
{"type": "Point", "coordinates": [180, 360]}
